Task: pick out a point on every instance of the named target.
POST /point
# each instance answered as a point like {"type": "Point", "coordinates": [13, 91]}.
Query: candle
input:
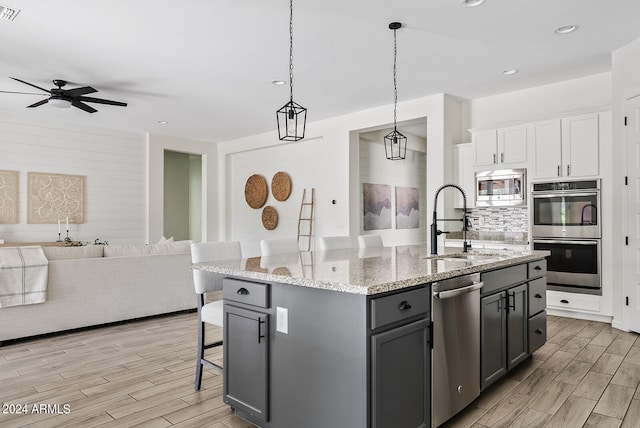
{"type": "Point", "coordinates": [67, 224]}
{"type": "Point", "coordinates": [58, 225]}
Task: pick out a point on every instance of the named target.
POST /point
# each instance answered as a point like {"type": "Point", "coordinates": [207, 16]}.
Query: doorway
{"type": "Point", "coordinates": [182, 209]}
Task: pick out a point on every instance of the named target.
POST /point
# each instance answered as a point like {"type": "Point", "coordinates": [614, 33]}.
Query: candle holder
{"type": "Point", "coordinates": [59, 237]}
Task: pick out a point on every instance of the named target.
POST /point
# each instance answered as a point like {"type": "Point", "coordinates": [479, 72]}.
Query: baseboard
{"type": "Point", "coordinates": [580, 315]}
{"type": "Point", "coordinates": [618, 325]}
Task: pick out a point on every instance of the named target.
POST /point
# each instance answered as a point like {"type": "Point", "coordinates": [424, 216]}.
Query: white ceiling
{"type": "Point", "coordinates": [205, 66]}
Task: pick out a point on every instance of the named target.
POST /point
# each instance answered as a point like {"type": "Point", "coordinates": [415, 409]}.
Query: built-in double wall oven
{"type": "Point", "coordinates": [566, 222]}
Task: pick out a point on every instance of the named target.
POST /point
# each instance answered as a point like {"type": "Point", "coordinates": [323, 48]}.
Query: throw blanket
{"type": "Point", "coordinates": [23, 276]}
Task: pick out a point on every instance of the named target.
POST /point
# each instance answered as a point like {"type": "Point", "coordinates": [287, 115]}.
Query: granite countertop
{"type": "Point", "coordinates": [367, 271]}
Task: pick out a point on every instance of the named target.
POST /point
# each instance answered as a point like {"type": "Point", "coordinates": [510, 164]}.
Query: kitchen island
{"type": "Point", "coordinates": [343, 338]}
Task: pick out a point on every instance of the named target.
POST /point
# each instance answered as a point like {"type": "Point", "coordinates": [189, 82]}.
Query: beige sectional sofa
{"type": "Point", "coordinates": [99, 284]}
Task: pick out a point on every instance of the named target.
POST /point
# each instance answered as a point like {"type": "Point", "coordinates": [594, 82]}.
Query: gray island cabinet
{"type": "Point", "coordinates": [347, 342]}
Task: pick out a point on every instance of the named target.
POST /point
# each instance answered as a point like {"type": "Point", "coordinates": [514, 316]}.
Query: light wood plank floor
{"type": "Point", "coordinates": [141, 374]}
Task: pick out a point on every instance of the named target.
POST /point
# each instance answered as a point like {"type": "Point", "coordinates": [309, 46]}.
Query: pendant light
{"type": "Point", "coordinates": [395, 143]}
{"type": "Point", "coordinates": [291, 117]}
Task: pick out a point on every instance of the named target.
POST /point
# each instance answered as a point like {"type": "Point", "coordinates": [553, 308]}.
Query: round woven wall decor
{"type": "Point", "coordinates": [281, 186]}
{"type": "Point", "coordinates": [269, 217]}
{"type": "Point", "coordinates": [255, 191]}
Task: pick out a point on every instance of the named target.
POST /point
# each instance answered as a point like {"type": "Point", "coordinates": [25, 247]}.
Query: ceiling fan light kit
{"type": "Point", "coordinates": [65, 98]}
{"type": "Point", "coordinates": [291, 117]}
{"type": "Point", "coordinates": [395, 143]}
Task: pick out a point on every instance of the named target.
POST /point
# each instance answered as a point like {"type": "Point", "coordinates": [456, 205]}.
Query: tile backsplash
{"type": "Point", "coordinates": [499, 219]}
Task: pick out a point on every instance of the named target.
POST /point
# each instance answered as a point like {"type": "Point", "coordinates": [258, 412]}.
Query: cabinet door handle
{"type": "Point", "coordinates": [568, 170]}
{"type": "Point", "coordinates": [494, 158]}
{"type": "Point", "coordinates": [538, 296]}
{"type": "Point", "coordinates": [502, 157]}
{"type": "Point", "coordinates": [538, 267]}
{"type": "Point", "coordinates": [558, 170]}
{"type": "Point", "coordinates": [242, 291]}
{"type": "Point", "coordinates": [260, 335]}
{"type": "Point", "coordinates": [404, 305]}
{"type": "Point", "coordinates": [538, 331]}
{"type": "Point", "coordinates": [564, 301]}
{"type": "Point", "coordinates": [509, 296]}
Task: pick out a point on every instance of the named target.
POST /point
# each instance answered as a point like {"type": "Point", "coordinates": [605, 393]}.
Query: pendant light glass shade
{"type": "Point", "coordinates": [291, 117]}
{"type": "Point", "coordinates": [395, 143]}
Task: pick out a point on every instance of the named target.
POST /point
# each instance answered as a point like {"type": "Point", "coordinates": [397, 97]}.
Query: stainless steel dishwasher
{"type": "Point", "coordinates": [456, 345]}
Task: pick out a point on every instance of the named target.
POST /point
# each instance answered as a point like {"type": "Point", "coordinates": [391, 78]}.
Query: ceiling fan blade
{"type": "Point", "coordinates": [31, 84]}
{"type": "Point", "coordinates": [24, 93]}
{"type": "Point", "coordinates": [77, 92]}
{"type": "Point", "coordinates": [83, 106]}
{"type": "Point", "coordinates": [101, 101]}
{"type": "Point", "coordinates": [39, 103]}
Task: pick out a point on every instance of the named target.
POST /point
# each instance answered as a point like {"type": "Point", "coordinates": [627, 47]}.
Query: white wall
{"type": "Point", "coordinates": [113, 162]}
{"type": "Point", "coordinates": [539, 102]}
{"type": "Point", "coordinates": [210, 204]}
{"type": "Point", "coordinates": [328, 159]}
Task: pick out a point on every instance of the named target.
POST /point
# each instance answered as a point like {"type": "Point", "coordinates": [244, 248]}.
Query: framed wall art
{"type": "Point", "coordinates": [8, 197]}
{"type": "Point", "coordinates": [376, 200]}
{"type": "Point", "coordinates": [55, 197]}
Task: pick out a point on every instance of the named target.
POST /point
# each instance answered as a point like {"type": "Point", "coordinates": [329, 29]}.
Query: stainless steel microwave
{"type": "Point", "coordinates": [502, 187]}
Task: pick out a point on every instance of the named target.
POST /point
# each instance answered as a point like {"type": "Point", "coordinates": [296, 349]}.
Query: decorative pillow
{"type": "Point", "coordinates": [172, 247]}
{"type": "Point", "coordinates": [127, 250]}
{"type": "Point", "coordinates": [65, 253]}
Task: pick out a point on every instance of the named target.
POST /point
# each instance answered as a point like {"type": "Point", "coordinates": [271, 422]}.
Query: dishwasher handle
{"type": "Point", "coordinates": [458, 291]}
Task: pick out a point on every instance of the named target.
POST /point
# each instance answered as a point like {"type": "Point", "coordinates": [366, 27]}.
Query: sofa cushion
{"type": "Point", "coordinates": [65, 253]}
{"type": "Point", "coordinates": [127, 250]}
{"type": "Point", "coordinates": [171, 247]}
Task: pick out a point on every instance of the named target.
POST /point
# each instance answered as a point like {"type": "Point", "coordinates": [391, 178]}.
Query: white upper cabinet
{"type": "Point", "coordinates": [464, 174]}
{"type": "Point", "coordinates": [567, 147]}
{"type": "Point", "coordinates": [500, 147]}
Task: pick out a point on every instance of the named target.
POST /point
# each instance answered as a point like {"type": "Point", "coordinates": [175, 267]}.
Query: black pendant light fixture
{"type": "Point", "coordinates": [395, 143]}
{"type": "Point", "coordinates": [292, 117]}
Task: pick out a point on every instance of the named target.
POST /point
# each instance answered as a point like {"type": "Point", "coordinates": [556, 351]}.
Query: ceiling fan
{"type": "Point", "coordinates": [67, 97]}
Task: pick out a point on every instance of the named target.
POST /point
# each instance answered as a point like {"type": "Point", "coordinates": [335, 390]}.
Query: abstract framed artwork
{"type": "Point", "coordinates": [55, 197]}
{"type": "Point", "coordinates": [407, 208]}
{"type": "Point", "coordinates": [376, 200]}
{"type": "Point", "coordinates": [8, 197]}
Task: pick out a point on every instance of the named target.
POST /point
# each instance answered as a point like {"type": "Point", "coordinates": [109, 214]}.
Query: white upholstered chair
{"type": "Point", "coordinates": [334, 242]}
{"type": "Point", "coordinates": [203, 281]}
{"type": "Point", "coordinates": [272, 247]}
{"type": "Point", "coordinates": [370, 241]}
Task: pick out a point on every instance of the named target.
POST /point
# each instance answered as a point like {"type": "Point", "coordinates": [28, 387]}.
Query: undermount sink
{"type": "Point", "coordinates": [477, 257]}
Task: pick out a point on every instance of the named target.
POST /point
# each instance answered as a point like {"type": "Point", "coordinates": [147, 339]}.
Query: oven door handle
{"type": "Point", "coordinates": [562, 194]}
{"type": "Point", "coordinates": [552, 241]}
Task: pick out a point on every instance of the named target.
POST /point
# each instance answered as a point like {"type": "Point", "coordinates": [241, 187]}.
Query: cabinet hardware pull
{"type": "Point", "coordinates": [260, 335]}
{"type": "Point", "coordinates": [538, 267]}
{"type": "Point", "coordinates": [509, 296]}
{"type": "Point", "coordinates": [538, 296]}
{"type": "Point", "coordinates": [568, 170]}
{"type": "Point", "coordinates": [404, 305]}
{"type": "Point", "coordinates": [538, 331]}
{"type": "Point", "coordinates": [558, 170]}
{"type": "Point", "coordinates": [564, 301]}
{"type": "Point", "coordinates": [494, 158]}
{"type": "Point", "coordinates": [242, 291]}
{"type": "Point", "coordinates": [501, 157]}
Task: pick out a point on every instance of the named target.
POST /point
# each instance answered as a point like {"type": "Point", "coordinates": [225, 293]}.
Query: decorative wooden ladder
{"type": "Point", "coordinates": [305, 219]}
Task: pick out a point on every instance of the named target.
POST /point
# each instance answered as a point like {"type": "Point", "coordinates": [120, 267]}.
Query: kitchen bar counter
{"type": "Point", "coordinates": [368, 271]}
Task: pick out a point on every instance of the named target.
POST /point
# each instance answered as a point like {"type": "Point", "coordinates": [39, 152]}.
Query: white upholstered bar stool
{"type": "Point", "coordinates": [273, 247]}
{"type": "Point", "coordinates": [334, 242]}
{"type": "Point", "coordinates": [370, 241]}
{"type": "Point", "coordinates": [203, 281]}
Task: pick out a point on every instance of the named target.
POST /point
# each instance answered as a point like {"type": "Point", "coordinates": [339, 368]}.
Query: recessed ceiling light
{"type": "Point", "coordinates": [278, 82]}
{"type": "Point", "coordinates": [163, 122]}
{"type": "Point", "coordinates": [8, 13]}
{"type": "Point", "coordinates": [566, 29]}
{"type": "Point", "coordinates": [509, 71]}
{"type": "Point", "coordinates": [472, 3]}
